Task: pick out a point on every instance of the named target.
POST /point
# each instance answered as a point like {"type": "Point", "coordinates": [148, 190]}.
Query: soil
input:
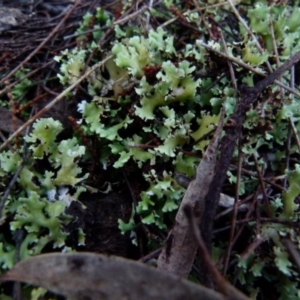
{"type": "Point", "coordinates": [99, 222]}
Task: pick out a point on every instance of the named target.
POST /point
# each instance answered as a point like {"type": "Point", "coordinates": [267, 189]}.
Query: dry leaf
{"type": "Point", "coordinates": [92, 276]}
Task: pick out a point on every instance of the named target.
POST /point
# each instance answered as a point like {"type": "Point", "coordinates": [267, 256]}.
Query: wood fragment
{"type": "Point", "coordinates": [178, 254]}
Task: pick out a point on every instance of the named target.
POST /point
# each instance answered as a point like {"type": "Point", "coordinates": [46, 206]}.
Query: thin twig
{"type": "Point", "coordinates": [148, 16]}
{"type": "Point", "coordinates": [44, 42]}
{"type": "Point", "coordinates": [17, 288]}
{"type": "Point", "coordinates": [110, 30]}
{"type": "Point", "coordinates": [145, 230]}
{"type": "Point", "coordinates": [13, 107]}
{"type": "Point", "coordinates": [259, 239]}
{"type": "Point", "coordinates": [294, 129]}
{"type": "Point", "coordinates": [217, 277]}
{"type": "Point", "coordinates": [248, 67]}
{"type": "Point", "coordinates": [231, 70]}
{"type": "Point", "coordinates": [28, 75]}
{"type": "Point", "coordinates": [249, 96]}
{"type": "Point", "coordinates": [235, 209]}
{"type": "Point", "coordinates": [275, 185]}
{"type": "Point", "coordinates": [289, 136]}
{"type": "Point", "coordinates": [287, 153]}
{"type": "Point", "coordinates": [74, 35]}
{"type": "Point", "coordinates": [262, 220]}
{"type": "Point", "coordinates": [151, 255]}
{"type": "Point", "coordinates": [222, 285]}
{"type": "Point", "coordinates": [262, 185]}
{"type": "Point", "coordinates": [243, 226]}
{"type": "Point", "coordinates": [208, 28]}
{"type": "Point", "coordinates": [131, 16]}
{"type": "Point", "coordinates": [238, 16]}
{"type": "Point", "coordinates": [170, 21]}
{"type": "Point", "coordinates": [247, 253]}
{"type": "Point", "coordinates": [11, 184]}
{"type": "Point", "coordinates": [293, 251]}
{"type": "Point", "coordinates": [275, 51]}
{"type": "Point", "coordinates": [229, 209]}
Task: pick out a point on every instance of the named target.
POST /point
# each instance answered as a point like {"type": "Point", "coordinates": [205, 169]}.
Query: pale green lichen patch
{"type": "Point", "coordinates": [151, 111]}
{"type": "Point", "coordinates": [41, 219]}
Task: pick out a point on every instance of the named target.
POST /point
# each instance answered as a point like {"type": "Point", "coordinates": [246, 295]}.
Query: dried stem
{"type": "Point", "coordinates": [248, 67]}
{"type": "Point", "coordinates": [262, 184]}
{"type": "Point", "coordinates": [235, 210]}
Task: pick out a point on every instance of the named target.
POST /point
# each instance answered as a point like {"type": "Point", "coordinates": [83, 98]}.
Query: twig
{"type": "Point", "coordinates": [11, 184]}
{"type": "Point", "coordinates": [13, 107]}
{"type": "Point", "coordinates": [293, 251]}
{"type": "Point", "coordinates": [180, 248]}
{"type": "Point", "coordinates": [148, 16]}
{"type": "Point", "coordinates": [246, 253]}
{"type": "Point", "coordinates": [208, 28]}
{"type": "Point", "coordinates": [145, 230]}
{"type": "Point", "coordinates": [262, 184]}
{"type": "Point", "coordinates": [275, 185]}
{"type": "Point", "coordinates": [250, 68]}
{"type": "Point", "coordinates": [229, 209]}
{"type": "Point", "coordinates": [248, 97]}
{"type": "Point", "coordinates": [231, 70]}
{"type": "Point", "coordinates": [181, 18]}
{"type": "Point", "coordinates": [262, 220]}
{"type": "Point", "coordinates": [170, 21]}
{"type": "Point", "coordinates": [287, 153]}
{"type": "Point", "coordinates": [85, 32]}
{"type": "Point", "coordinates": [32, 101]}
{"type": "Point", "coordinates": [151, 255]}
{"type": "Point", "coordinates": [222, 285]}
{"type": "Point", "coordinates": [19, 235]}
{"type": "Point", "coordinates": [250, 173]}
{"type": "Point", "coordinates": [53, 32]}
{"type": "Point", "coordinates": [235, 209]}
{"type": "Point", "coordinates": [131, 16]}
{"type": "Point", "coordinates": [275, 50]}
{"type": "Point", "coordinates": [289, 137]}
{"type": "Point", "coordinates": [110, 30]}
{"type": "Point", "coordinates": [260, 49]}
{"type": "Point", "coordinates": [294, 129]}
{"type": "Point", "coordinates": [203, 137]}
{"type": "Point", "coordinates": [216, 276]}
{"type": "Point", "coordinates": [239, 232]}
{"type": "Point", "coordinates": [259, 239]}
{"type": "Point", "coordinates": [26, 76]}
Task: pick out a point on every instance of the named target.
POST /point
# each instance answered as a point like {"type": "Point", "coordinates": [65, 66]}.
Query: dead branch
{"type": "Point", "coordinates": [178, 253]}
{"type": "Point", "coordinates": [228, 144]}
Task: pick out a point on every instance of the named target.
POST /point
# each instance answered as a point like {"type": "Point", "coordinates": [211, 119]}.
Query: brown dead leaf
{"type": "Point", "coordinates": [92, 276]}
